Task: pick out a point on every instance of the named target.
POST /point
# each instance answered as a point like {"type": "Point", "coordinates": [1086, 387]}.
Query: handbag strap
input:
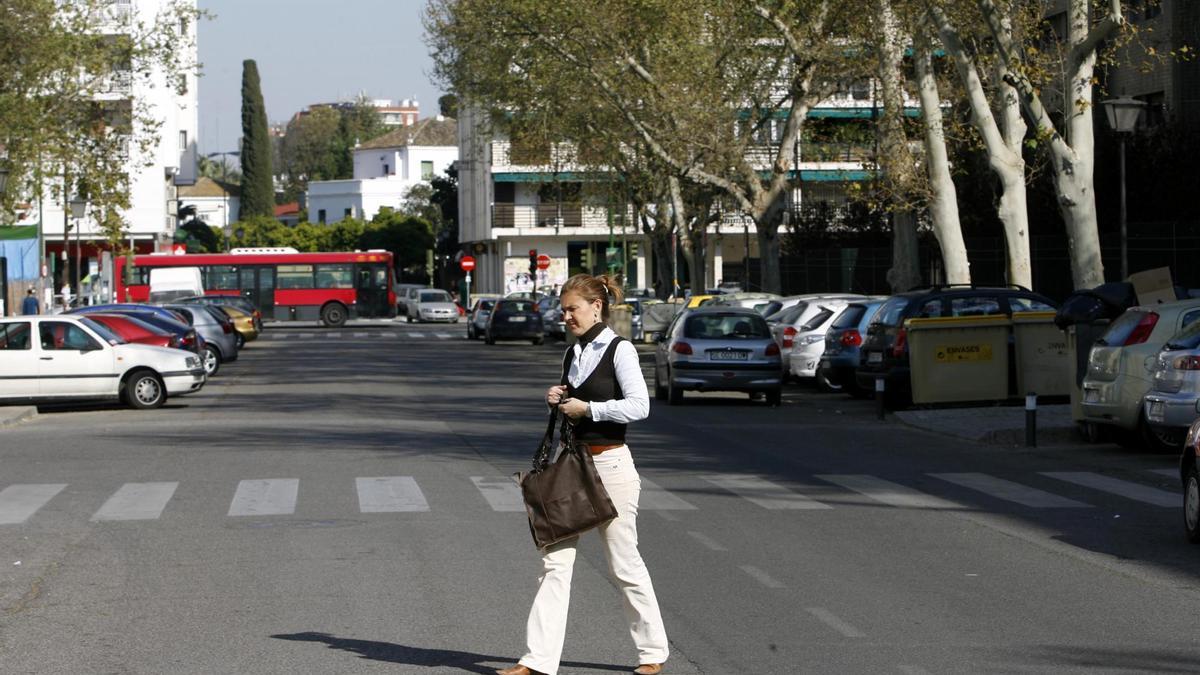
{"type": "Point", "coordinates": [542, 457]}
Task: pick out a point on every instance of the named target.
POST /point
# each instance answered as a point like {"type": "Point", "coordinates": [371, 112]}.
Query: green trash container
{"type": "Point", "coordinates": [1043, 360]}
{"type": "Point", "coordinates": [956, 359]}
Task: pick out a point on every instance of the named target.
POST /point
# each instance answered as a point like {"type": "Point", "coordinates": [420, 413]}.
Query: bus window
{"type": "Point", "coordinates": [335, 276]}
{"type": "Point", "coordinates": [294, 276]}
{"type": "Point", "coordinates": [222, 277]}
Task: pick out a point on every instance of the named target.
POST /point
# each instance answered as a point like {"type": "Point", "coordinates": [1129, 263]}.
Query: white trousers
{"type": "Point", "coordinates": [547, 625]}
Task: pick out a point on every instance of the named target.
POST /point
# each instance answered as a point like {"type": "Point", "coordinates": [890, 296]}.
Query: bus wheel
{"type": "Point", "coordinates": [333, 315]}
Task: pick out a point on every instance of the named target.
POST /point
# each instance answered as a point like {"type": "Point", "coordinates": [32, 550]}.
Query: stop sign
{"type": "Point", "coordinates": [467, 263]}
{"type": "Point", "coordinates": [543, 262]}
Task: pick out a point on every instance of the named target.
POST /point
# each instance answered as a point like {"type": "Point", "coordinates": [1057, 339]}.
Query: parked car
{"type": "Point", "coordinates": [135, 331]}
{"type": "Point", "coordinates": [699, 300]}
{"type": "Point", "coordinates": [884, 351]}
{"type": "Point", "coordinates": [243, 323]}
{"type": "Point", "coordinates": [1122, 366]}
{"type": "Point", "coordinates": [1190, 477]}
{"type": "Point", "coordinates": [550, 307]}
{"type": "Point", "coordinates": [1173, 402]}
{"type": "Point", "coordinates": [756, 301]}
{"type": "Point", "coordinates": [787, 323]}
{"type": "Point", "coordinates": [129, 306]}
{"type": "Point", "coordinates": [432, 304]}
{"type": "Point", "coordinates": [481, 306]}
{"type": "Point", "coordinates": [514, 319]}
{"type": "Point", "coordinates": [242, 303]}
{"type": "Point", "coordinates": [843, 342]}
{"type": "Point", "coordinates": [808, 340]}
{"type": "Point", "coordinates": [220, 340]}
{"type": "Point", "coordinates": [64, 357]}
{"type": "Point", "coordinates": [638, 307]}
{"type": "Point", "coordinates": [776, 307]}
{"type": "Point", "coordinates": [717, 349]}
{"type": "Point", "coordinates": [189, 339]}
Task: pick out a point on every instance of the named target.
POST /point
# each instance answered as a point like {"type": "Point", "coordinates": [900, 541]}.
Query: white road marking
{"type": "Point", "coordinates": [707, 542]}
{"type": "Point", "coordinates": [19, 502]}
{"type": "Point", "coordinates": [137, 501]}
{"type": "Point", "coordinates": [655, 498]}
{"type": "Point", "coordinates": [913, 670]}
{"type": "Point", "coordinates": [887, 492]}
{"type": "Point", "coordinates": [416, 335]}
{"type": "Point", "coordinates": [1121, 488]}
{"type": "Point", "coordinates": [444, 336]}
{"type": "Point", "coordinates": [272, 497]}
{"type": "Point", "coordinates": [332, 336]}
{"type": "Point", "coordinates": [833, 621]}
{"type": "Point", "coordinates": [390, 494]}
{"type": "Point", "coordinates": [762, 577]}
{"type": "Point", "coordinates": [502, 494]}
{"type": "Point", "coordinates": [764, 493]}
{"type": "Point", "coordinates": [304, 336]}
{"type": "Point", "coordinates": [1010, 491]}
{"type": "Point", "coordinates": [362, 335]}
{"type": "Point", "coordinates": [1169, 473]}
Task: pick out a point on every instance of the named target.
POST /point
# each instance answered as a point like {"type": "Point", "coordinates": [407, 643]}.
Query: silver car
{"type": "Point", "coordinates": [220, 339]}
{"type": "Point", "coordinates": [1173, 402]}
{"type": "Point", "coordinates": [478, 316]}
{"type": "Point", "coordinates": [717, 349]}
{"type": "Point", "coordinates": [433, 304]}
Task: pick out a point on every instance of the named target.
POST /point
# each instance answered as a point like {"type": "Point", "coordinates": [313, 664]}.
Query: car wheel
{"type": "Point", "coordinates": [144, 389]}
{"type": "Point", "coordinates": [241, 341]}
{"type": "Point", "coordinates": [407, 318]}
{"type": "Point", "coordinates": [660, 392]}
{"type": "Point", "coordinates": [674, 393]}
{"type": "Point", "coordinates": [1191, 504]}
{"type": "Point", "coordinates": [1092, 432]}
{"type": "Point", "coordinates": [826, 383]}
{"type": "Point", "coordinates": [536, 341]}
{"type": "Point", "coordinates": [212, 360]}
{"type": "Point", "coordinates": [489, 339]}
{"type": "Point", "coordinates": [775, 397]}
{"type": "Point", "coordinates": [333, 315]}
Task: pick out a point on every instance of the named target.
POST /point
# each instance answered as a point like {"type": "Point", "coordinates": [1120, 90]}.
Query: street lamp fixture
{"type": "Point", "coordinates": [1123, 114]}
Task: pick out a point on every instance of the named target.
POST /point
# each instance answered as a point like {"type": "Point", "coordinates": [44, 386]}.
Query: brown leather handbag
{"type": "Point", "coordinates": [566, 497]}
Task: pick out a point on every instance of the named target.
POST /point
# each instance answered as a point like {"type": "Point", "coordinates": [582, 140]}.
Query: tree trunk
{"type": "Point", "coordinates": [1014, 217]}
{"type": "Point", "coordinates": [1077, 204]}
{"type": "Point", "coordinates": [943, 202]}
{"type": "Point", "coordinates": [905, 274]}
{"type": "Point", "coordinates": [768, 254]}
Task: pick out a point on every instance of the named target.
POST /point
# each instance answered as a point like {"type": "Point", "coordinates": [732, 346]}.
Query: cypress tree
{"type": "Point", "coordinates": [258, 188]}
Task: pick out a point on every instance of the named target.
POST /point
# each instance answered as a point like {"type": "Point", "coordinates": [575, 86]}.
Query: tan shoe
{"type": "Point", "coordinates": [648, 669]}
{"type": "Point", "coordinates": [518, 670]}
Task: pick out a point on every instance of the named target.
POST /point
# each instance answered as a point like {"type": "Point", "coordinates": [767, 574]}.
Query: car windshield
{"type": "Point", "coordinates": [850, 317]}
{"type": "Point", "coordinates": [1188, 338]}
{"type": "Point", "coordinates": [725, 326]}
{"type": "Point", "coordinates": [891, 313]}
{"type": "Point", "coordinates": [789, 314]}
{"type": "Point", "coordinates": [435, 296]}
{"type": "Point", "coordinates": [818, 319]}
{"type": "Point", "coordinates": [486, 305]}
{"type": "Point", "coordinates": [511, 306]}
{"type": "Point", "coordinates": [103, 331]}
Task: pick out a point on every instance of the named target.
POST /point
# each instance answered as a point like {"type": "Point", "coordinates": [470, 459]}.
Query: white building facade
{"type": "Point", "coordinates": [385, 169]}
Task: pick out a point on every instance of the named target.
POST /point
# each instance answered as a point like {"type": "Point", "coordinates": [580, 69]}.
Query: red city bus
{"type": "Point", "coordinates": [286, 286]}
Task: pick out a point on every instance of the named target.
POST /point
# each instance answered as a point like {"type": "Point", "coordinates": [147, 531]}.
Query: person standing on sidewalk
{"type": "Point", "coordinates": [602, 390]}
{"type": "Point", "coordinates": [29, 305]}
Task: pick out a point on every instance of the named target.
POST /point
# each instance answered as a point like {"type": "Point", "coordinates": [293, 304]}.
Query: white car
{"type": "Point", "coordinates": [67, 357]}
{"type": "Point", "coordinates": [433, 304]}
{"type": "Point", "coordinates": [807, 336]}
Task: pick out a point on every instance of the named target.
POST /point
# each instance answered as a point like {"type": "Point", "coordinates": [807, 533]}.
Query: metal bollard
{"type": "Point", "coordinates": [879, 391]}
{"type": "Point", "coordinates": [1031, 420]}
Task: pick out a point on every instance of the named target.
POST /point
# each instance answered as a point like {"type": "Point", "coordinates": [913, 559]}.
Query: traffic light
{"type": "Point", "coordinates": [585, 259]}
{"type": "Point", "coordinates": [533, 263]}
{"type": "Point", "coordinates": [633, 249]}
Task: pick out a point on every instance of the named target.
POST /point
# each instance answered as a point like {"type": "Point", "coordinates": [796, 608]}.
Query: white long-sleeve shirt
{"type": "Point", "coordinates": [636, 404]}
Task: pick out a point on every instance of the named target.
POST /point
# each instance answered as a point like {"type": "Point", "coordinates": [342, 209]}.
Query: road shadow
{"type": "Point", "coordinates": [421, 656]}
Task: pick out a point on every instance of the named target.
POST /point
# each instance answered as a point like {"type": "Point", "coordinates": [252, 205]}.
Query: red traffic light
{"type": "Point", "coordinates": [533, 253]}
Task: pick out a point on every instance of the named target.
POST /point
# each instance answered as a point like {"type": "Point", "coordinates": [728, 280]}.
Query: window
{"type": "Point", "coordinates": [63, 336]}
{"type": "Point", "coordinates": [983, 306]}
{"type": "Point", "coordinates": [221, 277]}
{"type": "Point", "coordinates": [850, 317]}
{"type": "Point", "coordinates": [14, 335]}
{"type": "Point", "coordinates": [441, 296]}
{"type": "Point", "coordinates": [387, 169]}
{"type": "Point", "coordinates": [321, 216]}
{"type": "Point", "coordinates": [426, 170]}
{"type": "Point", "coordinates": [183, 144]}
{"type": "Point", "coordinates": [892, 312]}
{"type": "Point", "coordinates": [818, 320]}
{"type": "Point", "coordinates": [348, 213]}
{"type": "Point", "coordinates": [294, 276]}
{"type": "Point", "coordinates": [725, 326]}
{"type": "Point", "coordinates": [932, 309]}
{"type": "Point", "coordinates": [1190, 317]}
{"type": "Point", "coordinates": [1018, 304]}
{"type": "Point", "coordinates": [335, 276]}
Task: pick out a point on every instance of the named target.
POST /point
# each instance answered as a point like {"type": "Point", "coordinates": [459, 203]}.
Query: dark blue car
{"type": "Point", "coordinates": [843, 343]}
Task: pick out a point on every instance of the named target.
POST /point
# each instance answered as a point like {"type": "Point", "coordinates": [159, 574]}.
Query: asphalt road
{"type": "Point", "coordinates": [339, 502]}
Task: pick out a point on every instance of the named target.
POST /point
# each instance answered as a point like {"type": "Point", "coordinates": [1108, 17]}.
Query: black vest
{"type": "Point", "coordinates": [601, 385]}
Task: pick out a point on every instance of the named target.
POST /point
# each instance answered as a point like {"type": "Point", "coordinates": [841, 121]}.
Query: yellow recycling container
{"type": "Point", "coordinates": [1044, 364]}
{"type": "Point", "coordinates": [956, 359]}
{"type": "Point", "coordinates": [620, 319]}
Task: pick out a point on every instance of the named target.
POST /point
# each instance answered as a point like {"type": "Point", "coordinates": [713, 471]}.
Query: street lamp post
{"type": "Point", "coordinates": [1123, 114]}
{"type": "Point", "coordinates": [78, 206]}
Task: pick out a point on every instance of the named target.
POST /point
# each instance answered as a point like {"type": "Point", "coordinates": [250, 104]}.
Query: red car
{"type": "Point", "coordinates": [135, 330]}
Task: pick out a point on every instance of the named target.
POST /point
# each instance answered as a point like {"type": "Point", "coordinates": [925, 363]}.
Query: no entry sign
{"type": "Point", "coordinates": [543, 262]}
{"type": "Point", "coordinates": [467, 263]}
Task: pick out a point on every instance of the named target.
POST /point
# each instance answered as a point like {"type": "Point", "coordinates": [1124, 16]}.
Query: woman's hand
{"type": "Point", "coordinates": [574, 408]}
{"type": "Point", "coordinates": [555, 394]}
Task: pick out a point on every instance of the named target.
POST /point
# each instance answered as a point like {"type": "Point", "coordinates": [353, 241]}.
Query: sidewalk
{"type": "Point", "coordinates": [15, 414]}
{"type": "Point", "coordinates": [996, 425]}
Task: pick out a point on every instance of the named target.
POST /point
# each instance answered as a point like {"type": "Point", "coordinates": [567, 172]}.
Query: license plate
{"type": "Point", "coordinates": [516, 319]}
{"type": "Point", "coordinates": [728, 356]}
{"type": "Point", "coordinates": [1091, 395]}
{"type": "Point", "coordinates": [874, 357]}
{"type": "Point", "coordinates": [1156, 411]}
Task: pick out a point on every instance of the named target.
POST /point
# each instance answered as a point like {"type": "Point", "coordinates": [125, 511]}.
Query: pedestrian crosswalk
{"type": "Point", "coordinates": [339, 335]}
{"type": "Point", "coordinates": [266, 497]}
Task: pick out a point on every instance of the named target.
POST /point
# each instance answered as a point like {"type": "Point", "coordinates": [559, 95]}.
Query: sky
{"type": "Point", "coordinates": [308, 51]}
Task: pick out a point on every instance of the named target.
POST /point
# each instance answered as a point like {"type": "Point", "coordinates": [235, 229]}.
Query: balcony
{"type": "Point", "coordinates": [536, 215]}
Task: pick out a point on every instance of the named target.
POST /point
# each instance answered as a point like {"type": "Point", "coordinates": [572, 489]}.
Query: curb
{"type": "Point", "coordinates": [14, 416]}
{"type": "Point", "coordinates": [1007, 436]}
